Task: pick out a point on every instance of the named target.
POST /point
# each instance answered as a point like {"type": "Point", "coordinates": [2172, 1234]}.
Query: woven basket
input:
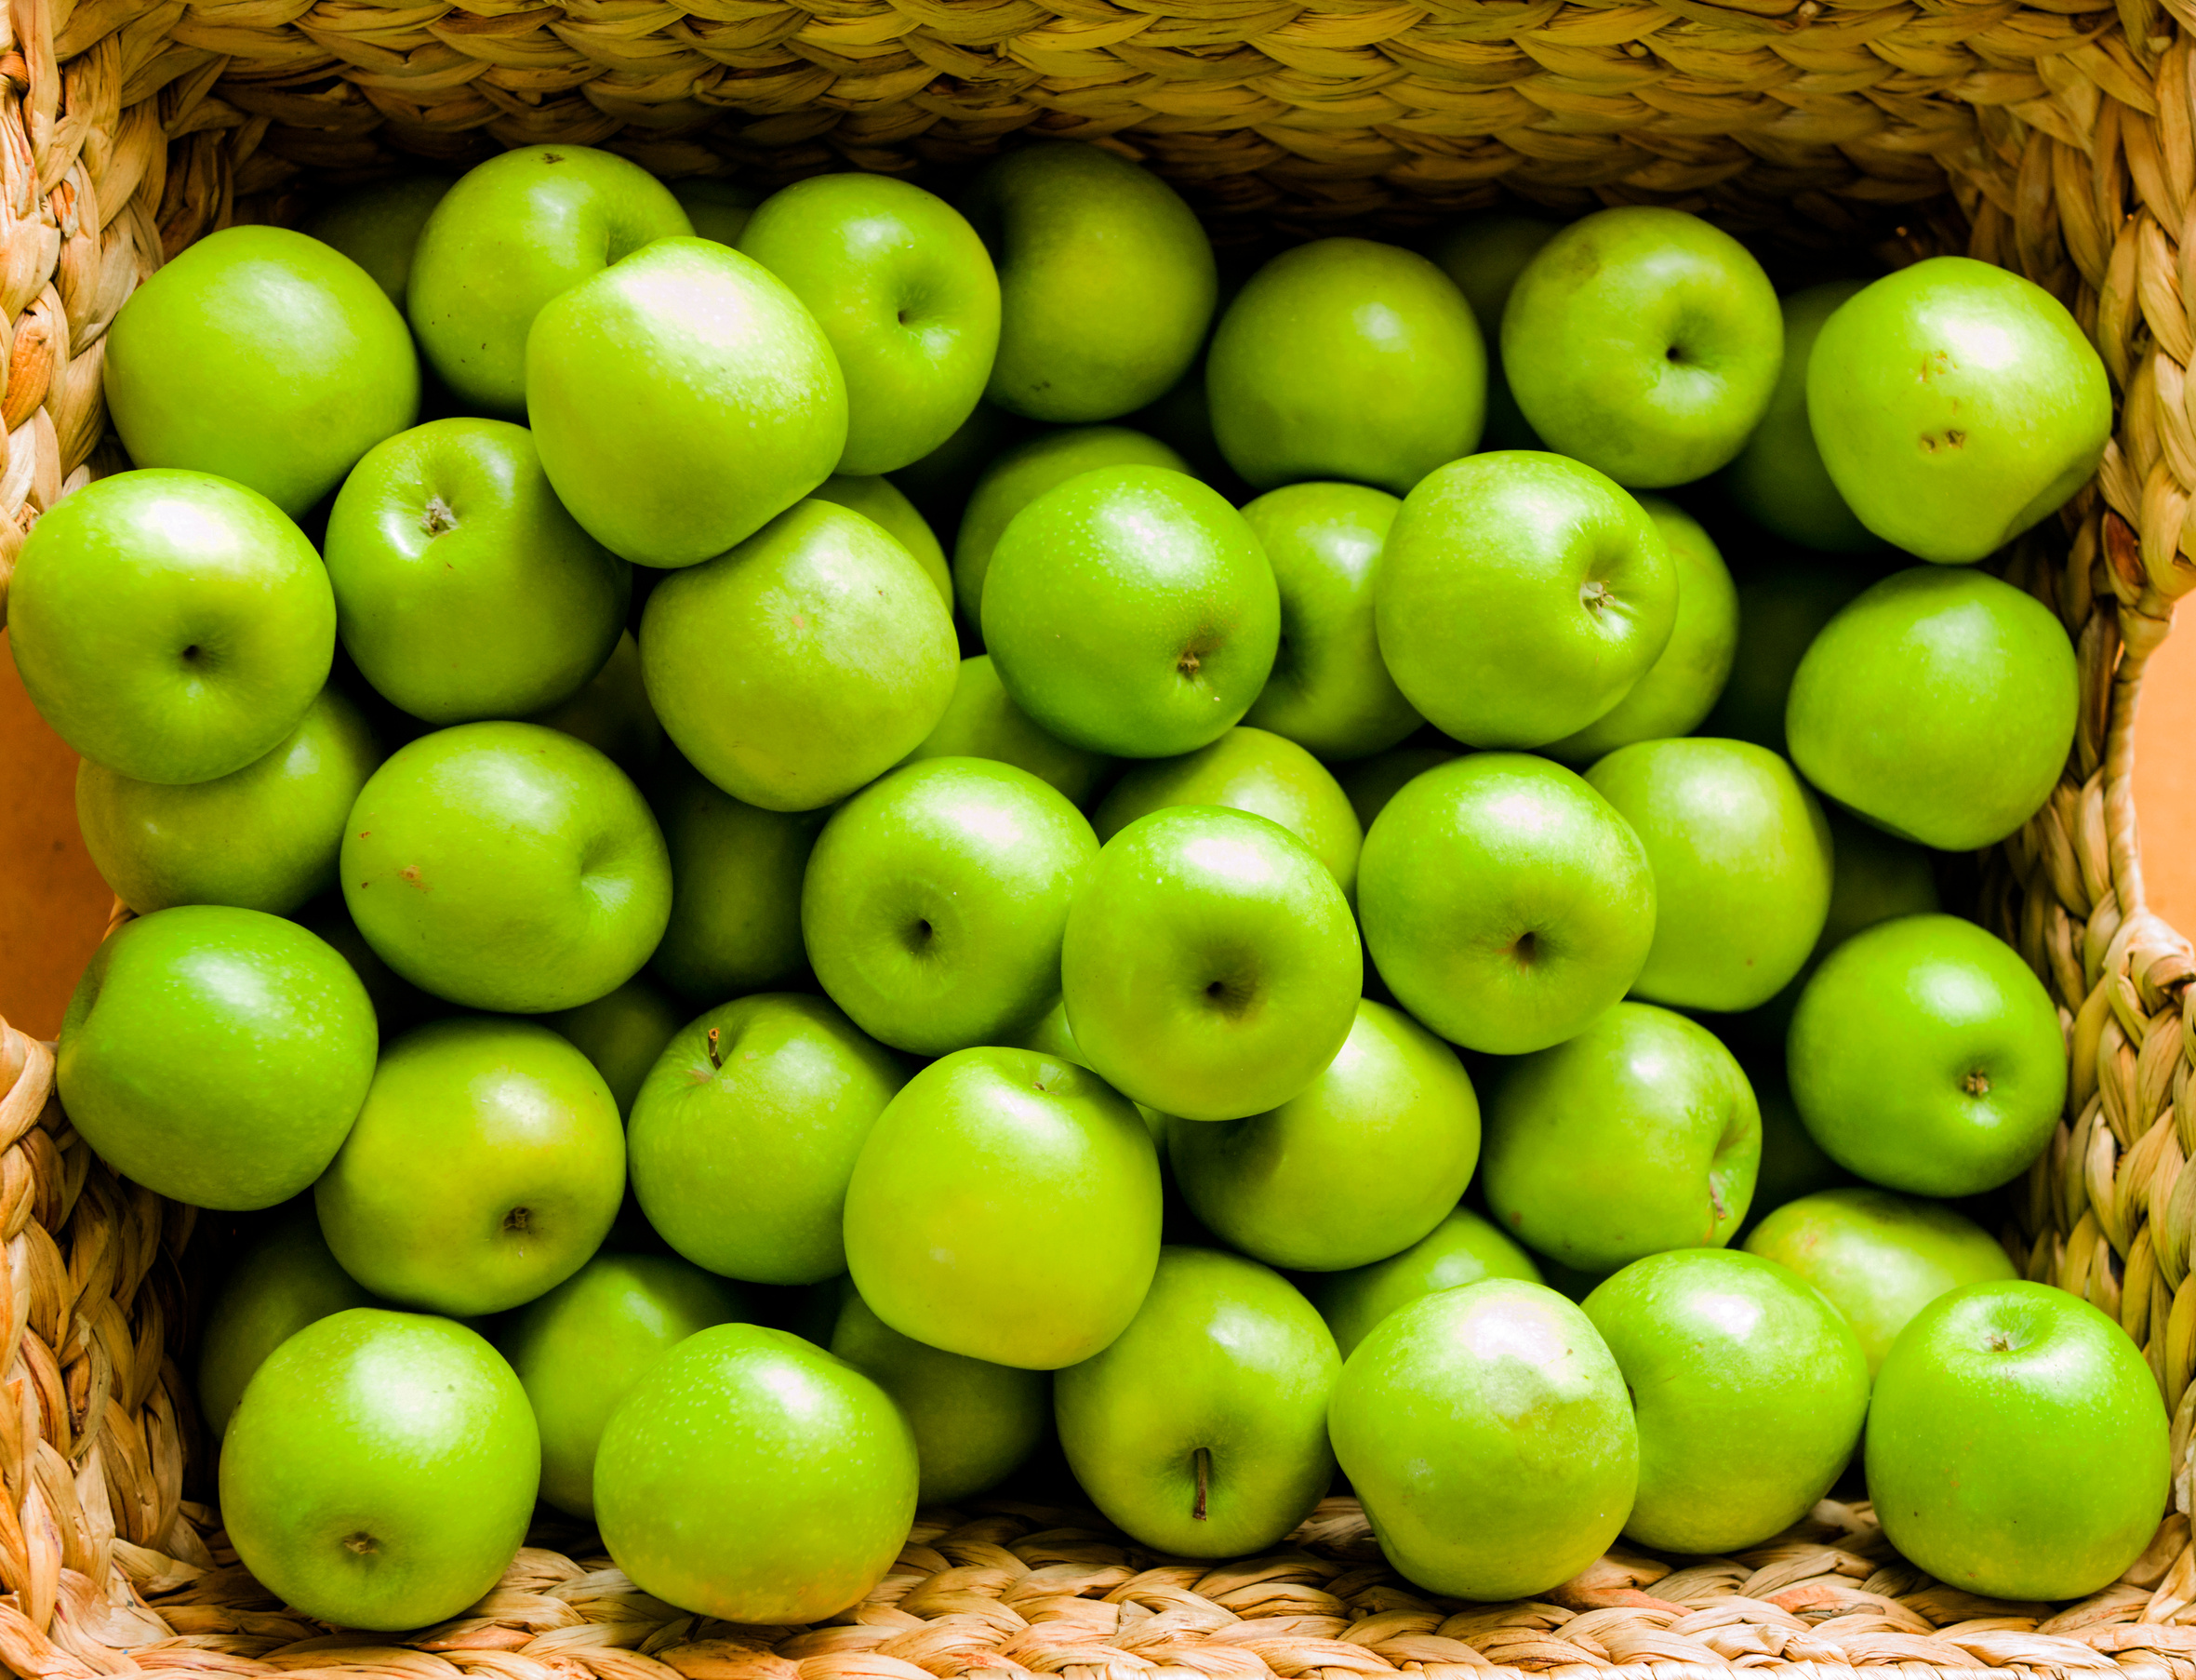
{"type": "Point", "coordinates": [2050, 138]}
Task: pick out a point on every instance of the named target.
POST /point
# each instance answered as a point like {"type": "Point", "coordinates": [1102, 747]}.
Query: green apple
{"type": "Point", "coordinates": [753, 1478]}
{"type": "Point", "coordinates": [464, 589]}
{"type": "Point", "coordinates": [261, 355]}
{"type": "Point", "coordinates": [1879, 1258]}
{"type": "Point", "coordinates": [515, 231]}
{"type": "Point", "coordinates": [1956, 404]}
{"type": "Point", "coordinates": [1926, 1056]}
{"type": "Point", "coordinates": [1484, 254]}
{"type": "Point", "coordinates": [981, 721]}
{"type": "Point", "coordinates": [1367, 1159]}
{"type": "Point", "coordinates": [1370, 784]}
{"type": "Point", "coordinates": [579, 1349]}
{"type": "Point", "coordinates": [169, 625]}
{"type": "Point", "coordinates": [381, 1469]}
{"type": "Point", "coordinates": [802, 663]}
{"type": "Point", "coordinates": [718, 209]}
{"type": "Point", "coordinates": [1644, 342]}
{"type": "Point", "coordinates": [938, 485]}
{"type": "Point", "coordinates": [1520, 598]}
{"type": "Point", "coordinates": [1201, 1431]}
{"type": "Point", "coordinates": [746, 1132]}
{"type": "Point", "coordinates": [1749, 1389]}
{"type": "Point", "coordinates": [378, 226]}
{"type": "Point", "coordinates": [1781, 610]}
{"type": "Point", "coordinates": [285, 1280]}
{"type": "Point", "coordinates": [1131, 611]}
{"type": "Point", "coordinates": [1741, 856]}
{"type": "Point", "coordinates": [216, 1056]}
{"type": "Point", "coordinates": [1346, 359]}
{"type": "Point", "coordinates": [264, 837]}
{"type": "Point", "coordinates": [485, 1167]}
{"type": "Point", "coordinates": [1779, 480]}
{"type": "Point", "coordinates": [1488, 1431]}
{"type": "Point", "coordinates": [1006, 1207]}
{"type": "Point", "coordinates": [506, 866]}
{"type": "Point", "coordinates": [1640, 1134]}
{"type": "Point", "coordinates": [621, 1032]}
{"type": "Point", "coordinates": [1462, 1249]}
{"type": "Point", "coordinates": [2016, 1445]}
{"type": "Point", "coordinates": [397, 1003]}
{"type": "Point", "coordinates": [682, 398]}
{"type": "Point", "coordinates": [879, 500]}
{"type": "Point", "coordinates": [906, 293]}
{"type": "Point", "coordinates": [935, 898]}
{"type": "Point", "coordinates": [736, 891]}
{"type": "Point", "coordinates": [1211, 967]}
{"type": "Point", "coordinates": [1505, 902]}
{"type": "Point", "coordinates": [1938, 704]}
{"type": "Point", "coordinates": [611, 713]}
{"type": "Point", "coordinates": [1107, 282]}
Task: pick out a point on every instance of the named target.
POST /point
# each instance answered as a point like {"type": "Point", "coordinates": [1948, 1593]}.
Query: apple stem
{"type": "Point", "coordinates": [1203, 1458]}
{"type": "Point", "coordinates": [715, 1059]}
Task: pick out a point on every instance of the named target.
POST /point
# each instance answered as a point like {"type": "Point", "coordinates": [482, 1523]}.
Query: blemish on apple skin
{"type": "Point", "coordinates": [409, 876]}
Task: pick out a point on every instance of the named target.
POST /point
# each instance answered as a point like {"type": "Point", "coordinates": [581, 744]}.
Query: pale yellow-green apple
{"type": "Point", "coordinates": [736, 891]}
{"type": "Point", "coordinates": [621, 1032]}
{"type": "Point", "coordinates": [1462, 1249]}
{"type": "Point", "coordinates": [881, 500]}
{"type": "Point", "coordinates": [981, 721]}
{"type": "Point", "coordinates": [611, 713]}
{"type": "Point", "coordinates": [378, 226]}
{"type": "Point", "coordinates": [1484, 254]}
{"type": "Point", "coordinates": [285, 1280]}
{"type": "Point", "coordinates": [718, 207]}
{"type": "Point", "coordinates": [1370, 784]}
{"type": "Point", "coordinates": [1782, 608]}
{"type": "Point", "coordinates": [1779, 480]}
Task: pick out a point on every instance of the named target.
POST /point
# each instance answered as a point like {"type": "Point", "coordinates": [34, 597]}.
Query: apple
{"type": "Point", "coordinates": [746, 1132]}
{"type": "Point", "coordinates": [906, 293]}
{"type": "Point", "coordinates": [1488, 1431]}
{"type": "Point", "coordinates": [261, 355]}
{"type": "Point", "coordinates": [611, 713]}
{"type": "Point", "coordinates": [464, 589]}
{"type": "Point", "coordinates": [378, 226]}
{"type": "Point", "coordinates": [879, 500]}
{"type": "Point", "coordinates": [1749, 1389]}
{"type": "Point", "coordinates": [1792, 1162]}
{"type": "Point", "coordinates": [515, 231]}
{"type": "Point", "coordinates": [1201, 1431]}
{"type": "Point", "coordinates": [216, 1056]}
{"type": "Point", "coordinates": [2016, 1445]}
{"type": "Point", "coordinates": [379, 1471]}
{"type": "Point", "coordinates": [621, 1032]}
{"type": "Point", "coordinates": [1940, 705]}
{"type": "Point", "coordinates": [935, 898]}
{"type": "Point", "coordinates": [1779, 480]}
{"type": "Point", "coordinates": [579, 1350]}
{"type": "Point", "coordinates": [1781, 610]}
{"type": "Point", "coordinates": [1106, 279]}
{"type": "Point", "coordinates": [1211, 967]}
{"type": "Point", "coordinates": [753, 1478]}
{"type": "Point", "coordinates": [1462, 1249]}
{"type": "Point", "coordinates": [285, 1280]}
{"type": "Point", "coordinates": [981, 721]}
{"type": "Point", "coordinates": [1956, 404]}
{"type": "Point", "coordinates": [1644, 342]}
{"type": "Point", "coordinates": [1506, 903]}
{"type": "Point", "coordinates": [506, 866]}
{"type": "Point", "coordinates": [397, 1003]}
{"type": "Point", "coordinates": [1640, 1134]}
{"type": "Point", "coordinates": [1370, 784]}
{"type": "Point", "coordinates": [802, 664]}
{"type": "Point", "coordinates": [938, 485]}
{"type": "Point", "coordinates": [1484, 254]}
{"type": "Point", "coordinates": [1521, 597]}
{"type": "Point", "coordinates": [1182, 420]}
{"type": "Point", "coordinates": [736, 891]}
{"type": "Point", "coordinates": [718, 209]}
{"type": "Point", "coordinates": [1926, 1056]}
{"type": "Point", "coordinates": [1006, 1207]}
{"type": "Point", "coordinates": [264, 837]}
{"type": "Point", "coordinates": [485, 1167]}
{"type": "Point", "coordinates": [1349, 359]}
{"type": "Point", "coordinates": [170, 626]}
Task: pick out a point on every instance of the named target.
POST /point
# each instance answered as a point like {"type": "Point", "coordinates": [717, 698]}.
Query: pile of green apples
{"type": "Point", "coordinates": [1092, 1030]}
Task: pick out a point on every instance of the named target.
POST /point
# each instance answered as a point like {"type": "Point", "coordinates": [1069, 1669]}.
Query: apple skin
{"type": "Point", "coordinates": [682, 398]}
{"type": "Point", "coordinates": [622, 1033]}
{"type": "Point", "coordinates": [285, 1281]}
{"type": "Point", "coordinates": [1484, 254]}
{"type": "Point", "coordinates": [1779, 480]}
{"type": "Point", "coordinates": [506, 866]}
{"type": "Point", "coordinates": [1520, 598]}
{"type": "Point", "coordinates": [1505, 902]}
{"type": "Point", "coordinates": [579, 1350]}
{"type": "Point", "coordinates": [1781, 610]}
{"type": "Point", "coordinates": [1956, 404]}
{"type": "Point", "coordinates": [740, 1152]}
{"type": "Point", "coordinates": [718, 209]}
{"type": "Point", "coordinates": [1926, 1056]}
{"type": "Point", "coordinates": [519, 1137]}
{"type": "Point", "coordinates": [1640, 1134]}
{"type": "Point", "coordinates": [379, 1472]}
{"type": "Point", "coordinates": [1201, 1431]}
{"type": "Point", "coordinates": [511, 234]}
{"type": "Point", "coordinates": [2016, 1445]}
{"type": "Point", "coordinates": [1006, 1207]}
{"type": "Point", "coordinates": [753, 1477]}
{"type": "Point", "coordinates": [802, 664]}
{"type": "Point", "coordinates": [879, 500]}
{"type": "Point", "coordinates": [1938, 704]}
{"type": "Point", "coordinates": [263, 356]}
{"type": "Point", "coordinates": [216, 1056]}
{"type": "Point", "coordinates": [736, 875]}
{"type": "Point", "coordinates": [1370, 784]}
{"type": "Point", "coordinates": [1488, 1431]}
{"type": "Point", "coordinates": [171, 626]}
{"type": "Point", "coordinates": [935, 898]}
{"type": "Point", "coordinates": [1644, 342]}
{"type": "Point", "coordinates": [1749, 1389]}
{"type": "Point", "coordinates": [981, 721]}
{"type": "Point", "coordinates": [1878, 1257]}
{"type": "Point", "coordinates": [1106, 280]}
{"type": "Point", "coordinates": [1346, 359]}
{"type": "Point", "coordinates": [464, 589]}
{"type": "Point", "coordinates": [1462, 1249]}
{"type": "Point", "coordinates": [1742, 860]}
{"type": "Point", "coordinates": [906, 293]}
{"type": "Point", "coordinates": [611, 713]}
{"type": "Point", "coordinates": [1211, 967]}
{"type": "Point", "coordinates": [264, 837]}
{"type": "Point", "coordinates": [378, 226]}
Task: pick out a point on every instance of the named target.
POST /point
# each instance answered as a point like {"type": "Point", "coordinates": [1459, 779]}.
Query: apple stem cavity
{"type": "Point", "coordinates": [361, 1543]}
{"type": "Point", "coordinates": [1202, 1458]}
{"type": "Point", "coordinates": [709, 1043]}
{"type": "Point", "coordinates": [1976, 1084]}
